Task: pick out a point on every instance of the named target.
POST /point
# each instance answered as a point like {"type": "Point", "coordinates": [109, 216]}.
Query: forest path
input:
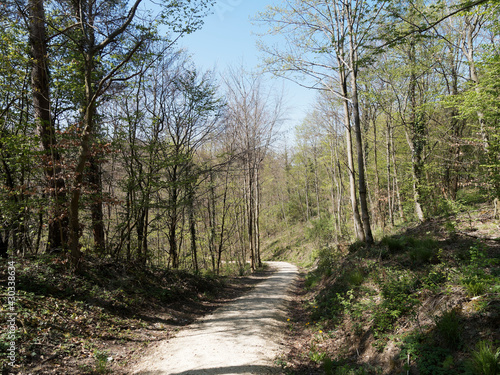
{"type": "Point", "coordinates": [242, 337]}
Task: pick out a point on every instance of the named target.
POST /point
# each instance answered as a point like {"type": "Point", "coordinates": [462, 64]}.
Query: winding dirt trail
{"type": "Point", "coordinates": [242, 337]}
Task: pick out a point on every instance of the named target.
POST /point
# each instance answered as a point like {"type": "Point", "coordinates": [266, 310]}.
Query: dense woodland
{"type": "Point", "coordinates": [113, 144]}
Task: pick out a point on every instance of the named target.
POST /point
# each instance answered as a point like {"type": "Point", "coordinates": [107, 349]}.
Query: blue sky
{"type": "Point", "coordinates": [228, 39]}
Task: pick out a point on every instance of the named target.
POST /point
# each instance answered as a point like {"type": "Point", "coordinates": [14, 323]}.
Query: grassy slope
{"type": "Point", "coordinates": [94, 322]}
{"type": "Point", "coordinates": [418, 302]}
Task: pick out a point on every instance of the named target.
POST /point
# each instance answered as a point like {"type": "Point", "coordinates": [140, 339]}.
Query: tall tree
{"type": "Point", "coordinates": [40, 82]}
{"type": "Point", "coordinates": [327, 45]}
{"type": "Point", "coordinates": [253, 117]}
{"type": "Point", "coordinates": [107, 36]}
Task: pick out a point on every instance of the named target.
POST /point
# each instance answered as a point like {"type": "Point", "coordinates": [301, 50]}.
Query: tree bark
{"type": "Point", "coordinates": [416, 138]}
{"type": "Point", "coordinates": [58, 221]}
{"type": "Point", "coordinates": [359, 144]}
{"type": "Point", "coordinates": [358, 225]}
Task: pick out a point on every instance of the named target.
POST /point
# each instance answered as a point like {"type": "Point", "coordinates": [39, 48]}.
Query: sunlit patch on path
{"type": "Point", "coordinates": [242, 337]}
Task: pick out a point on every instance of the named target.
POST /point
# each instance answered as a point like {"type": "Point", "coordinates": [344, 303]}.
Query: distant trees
{"type": "Point", "coordinates": [401, 77]}
{"type": "Point", "coordinates": [253, 116]}
{"type": "Point", "coordinates": [327, 44]}
{"type": "Point", "coordinates": [112, 143]}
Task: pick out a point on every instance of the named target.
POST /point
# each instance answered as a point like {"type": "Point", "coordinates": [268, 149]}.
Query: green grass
{"type": "Point", "coordinates": [485, 359]}
{"type": "Point", "coordinates": [448, 327]}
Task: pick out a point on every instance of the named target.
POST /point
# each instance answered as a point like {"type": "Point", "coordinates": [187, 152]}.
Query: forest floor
{"type": "Point", "coordinates": [420, 301]}
{"type": "Point", "coordinates": [103, 320]}
{"type": "Point", "coordinates": [242, 337]}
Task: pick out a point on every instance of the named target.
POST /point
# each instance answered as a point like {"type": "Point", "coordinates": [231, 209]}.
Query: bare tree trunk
{"type": "Point", "coordinates": [306, 188]}
{"type": "Point", "coordinates": [95, 180]}
{"type": "Point", "coordinates": [58, 223]}
{"type": "Point", "coordinates": [358, 225]}
{"type": "Point", "coordinates": [192, 230]}
{"type": "Point", "coordinates": [396, 181]}
{"type": "Point", "coordinates": [381, 216]}
{"type": "Point", "coordinates": [257, 218]}
{"type": "Point", "coordinates": [250, 215]}
{"type": "Point", "coordinates": [359, 140]}
{"type": "Point", "coordinates": [416, 139]}
{"type": "Point", "coordinates": [388, 162]}
{"type": "Point", "coordinates": [316, 181]}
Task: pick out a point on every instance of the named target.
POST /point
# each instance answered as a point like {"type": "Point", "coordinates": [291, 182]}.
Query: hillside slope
{"type": "Point", "coordinates": [424, 300]}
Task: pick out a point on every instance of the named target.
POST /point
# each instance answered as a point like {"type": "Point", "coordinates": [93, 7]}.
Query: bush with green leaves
{"type": "Point", "coordinates": [475, 279]}
{"type": "Point", "coordinates": [341, 367]}
{"type": "Point", "coordinates": [320, 229]}
{"type": "Point", "coordinates": [448, 328]}
{"type": "Point", "coordinates": [485, 359]}
{"type": "Point", "coordinates": [394, 244]}
{"type": "Point", "coordinates": [101, 365]}
{"type": "Point", "coordinates": [424, 252]}
{"type": "Point", "coordinates": [398, 290]}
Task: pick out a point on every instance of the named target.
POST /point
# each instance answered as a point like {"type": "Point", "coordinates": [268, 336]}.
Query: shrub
{"type": "Point", "coordinates": [355, 277]}
{"type": "Point", "coordinates": [423, 251]}
{"type": "Point", "coordinates": [394, 244]}
{"type": "Point", "coordinates": [448, 329]}
{"type": "Point", "coordinates": [398, 300]}
{"type": "Point", "coordinates": [321, 229]}
{"type": "Point", "coordinates": [485, 359]}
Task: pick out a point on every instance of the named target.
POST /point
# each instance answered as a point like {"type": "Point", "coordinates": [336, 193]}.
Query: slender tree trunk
{"type": "Point", "coordinates": [4, 244]}
{"type": "Point", "coordinates": [381, 216]}
{"type": "Point", "coordinates": [416, 139]}
{"type": "Point", "coordinates": [306, 188]}
{"type": "Point", "coordinates": [363, 202]}
{"type": "Point", "coordinates": [340, 190]}
{"type": "Point", "coordinates": [172, 233]}
{"type": "Point", "coordinates": [192, 230]}
{"type": "Point", "coordinates": [250, 214]}
{"type": "Point", "coordinates": [316, 181]}
{"type": "Point", "coordinates": [223, 221]}
{"type": "Point", "coordinates": [388, 162]}
{"type": "Point", "coordinates": [257, 217]}
{"type": "Point", "coordinates": [95, 180]}
{"type": "Point", "coordinates": [358, 225]}
{"type": "Point", "coordinates": [396, 181]}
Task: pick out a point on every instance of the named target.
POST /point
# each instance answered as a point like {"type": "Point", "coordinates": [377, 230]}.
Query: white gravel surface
{"type": "Point", "coordinates": [242, 337]}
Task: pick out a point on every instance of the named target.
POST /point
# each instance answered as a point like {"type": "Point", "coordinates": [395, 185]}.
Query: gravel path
{"type": "Point", "coordinates": [243, 337]}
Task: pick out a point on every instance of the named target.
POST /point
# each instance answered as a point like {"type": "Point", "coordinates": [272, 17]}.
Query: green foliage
{"type": "Point", "coordinates": [394, 244]}
{"type": "Point", "coordinates": [355, 277]}
{"type": "Point", "coordinates": [481, 101]}
{"type": "Point", "coordinates": [433, 360]}
{"type": "Point", "coordinates": [448, 327]}
{"type": "Point", "coordinates": [435, 277]}
{"type": "Point", "coordinates": [343, 367]}
{"type": "Point", "coordinates": [326, 259]}
{"type": "Point", "coordinates": [320, 229]}
{"type": "Point", "coordinates": [315, 355]}
{"type": "Point", "coordinates": [423, 251]}
{"type": "Point", "coordinates": [101, 359]}
{"type": "Point", "coordinates": [397, 289]}
{"type": "Point", "coordinates": [475, 279]}
{"type": "Point", "coordinates": [485, 359]}
{"type": "Point", "coordinates": [430, 356]}
{"type": "Point", "coordinates": [420, 251]}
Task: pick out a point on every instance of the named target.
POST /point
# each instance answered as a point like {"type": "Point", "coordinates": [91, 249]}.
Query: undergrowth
{"type": "Point", "coordinates": [61, 314]}
{"type": "Point", "coordinates": [378, 292]}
